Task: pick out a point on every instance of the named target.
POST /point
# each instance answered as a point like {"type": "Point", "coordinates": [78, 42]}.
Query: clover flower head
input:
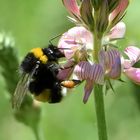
{"type": "Point", "coordinates": [93, 49]}
{"type": "Point", "coordinates": [97, 20]}
{"type": "Point", "coordinates": [77, 46]}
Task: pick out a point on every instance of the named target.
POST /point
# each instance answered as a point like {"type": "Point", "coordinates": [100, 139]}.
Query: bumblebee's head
{"type": "Point", "coordinates": [53, 53]}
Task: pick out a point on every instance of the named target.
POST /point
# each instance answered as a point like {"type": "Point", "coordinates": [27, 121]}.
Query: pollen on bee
{"type": "Point", "coordinates": [70, 83]}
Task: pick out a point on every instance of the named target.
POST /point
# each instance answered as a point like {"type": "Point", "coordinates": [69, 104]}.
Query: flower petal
{"type": "Point", "coordinates": [133, 74]}
{"type": "Point", "coordinates": [117, 31]}
{"type": "Point", "coordinates": [67, 70]}
{"type": "Point", "coordinates": [75, 39]}
{"type": "Point", "coordinates": [115, 71]}
{"type": "Point", "coordinates": [108, 58]}
{"type": "Point", "coordinates": [133, 53]}
{"type": "Point", "coordinates": [111, 62]}
{"type": "Point", "coordinates": [94, 72]}
{"type": "Point", "coordinates": [82, 69]}
{"type": "Point", "coordinates": [72, 6]}
{"type": "Point", "coordinates": [88, 89]}
{"type": "Point", "coordinates": [126, 63]}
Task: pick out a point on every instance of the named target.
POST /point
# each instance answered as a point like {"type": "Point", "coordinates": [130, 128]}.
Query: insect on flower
{"type": "Point", "coordinates": [39, 76]}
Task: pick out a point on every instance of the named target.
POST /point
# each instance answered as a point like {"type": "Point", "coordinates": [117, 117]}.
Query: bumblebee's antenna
{"type": "Point", "coordinates": [50, 41]}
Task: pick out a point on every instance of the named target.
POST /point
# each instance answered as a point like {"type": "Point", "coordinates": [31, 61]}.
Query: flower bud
{"type": "Point", "coordinates": [86, 14]}
{"type": "Point", "coordinates": [102, 18]}
{"type": "Point", "coordinates": [96, 4]}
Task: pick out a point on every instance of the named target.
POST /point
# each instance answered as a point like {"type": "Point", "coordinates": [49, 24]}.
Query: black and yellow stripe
{"type": "Point", "coordinates": [39, 54]}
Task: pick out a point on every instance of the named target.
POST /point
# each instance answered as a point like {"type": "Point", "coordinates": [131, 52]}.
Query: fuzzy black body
{"type": "Point", "coordinates": [42, 65]}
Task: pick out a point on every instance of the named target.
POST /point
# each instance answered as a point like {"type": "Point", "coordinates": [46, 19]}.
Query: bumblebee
{"type": "Point", "coordinates": [39, 71]}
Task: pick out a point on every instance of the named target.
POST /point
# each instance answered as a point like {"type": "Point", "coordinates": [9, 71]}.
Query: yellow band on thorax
{"type": "Point", "coordinates": [38, 53]}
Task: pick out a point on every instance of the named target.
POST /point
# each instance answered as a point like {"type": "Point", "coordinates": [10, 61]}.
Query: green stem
{"type": "Point", "coordinates": [37, 133]}
{"type": "Point", "coordinates": [100, 113]}
{"type": "Point", "coordinates": [98, 91]}
{"type": "Point", "coordinates": [97, 47]}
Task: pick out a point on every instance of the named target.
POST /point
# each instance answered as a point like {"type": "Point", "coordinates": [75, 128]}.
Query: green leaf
{"type": "Point", "coordinates": [29, 113]}
{"type": "Point", "coordinates": [108, 86]}
{"type": "Point", "coordinates": [9, 65]}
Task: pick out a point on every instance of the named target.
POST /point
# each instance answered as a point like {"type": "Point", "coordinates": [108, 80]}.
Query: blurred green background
{"type": "Point", "coordinates": [32, 23]}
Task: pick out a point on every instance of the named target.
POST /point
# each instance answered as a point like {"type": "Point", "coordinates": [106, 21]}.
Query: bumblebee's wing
{"type": "Point", "coordinates": [20, 91]}
{"type": "Point", "coordinates": [22, 87]}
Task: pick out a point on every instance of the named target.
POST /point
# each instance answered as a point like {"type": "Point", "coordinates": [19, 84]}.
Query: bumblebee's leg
{"type": "Point", "coordinates": [53, 68]}
{"type": "Point", "coordinates": [70, 83]}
